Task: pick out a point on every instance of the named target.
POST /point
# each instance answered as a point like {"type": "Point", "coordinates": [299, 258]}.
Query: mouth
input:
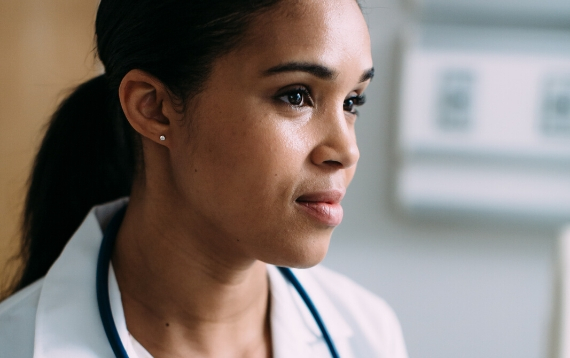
{"type": "Point", "coordinates": [324, 206]}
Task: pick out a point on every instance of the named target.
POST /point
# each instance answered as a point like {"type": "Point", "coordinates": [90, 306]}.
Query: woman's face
{"type": "Point", "coordinates": [265, 153]}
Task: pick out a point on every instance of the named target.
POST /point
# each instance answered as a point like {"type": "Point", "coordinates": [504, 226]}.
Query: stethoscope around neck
{"type": "Point", "coordinates": [102, 282]}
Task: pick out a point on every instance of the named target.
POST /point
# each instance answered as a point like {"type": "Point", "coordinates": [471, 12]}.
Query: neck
{"type": "Point", "coordinates": [182, 296]}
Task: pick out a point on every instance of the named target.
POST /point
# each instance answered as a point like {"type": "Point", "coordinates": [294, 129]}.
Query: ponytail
{"type": "Point", "coordinates": [89, 152]}
{"type": "Point", "coordinates": [87, 157]}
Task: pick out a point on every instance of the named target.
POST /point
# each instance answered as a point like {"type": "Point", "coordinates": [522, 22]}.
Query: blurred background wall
{"type": "Point", "coordinates": [463, 286]}
{"type": "Point", "coordinates": [468, 269]}
{"type": "Point", "coordinates": [45, 49]}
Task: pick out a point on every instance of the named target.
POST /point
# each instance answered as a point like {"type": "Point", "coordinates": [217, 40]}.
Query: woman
{"type": "Point", "coordinates": [230, 125]}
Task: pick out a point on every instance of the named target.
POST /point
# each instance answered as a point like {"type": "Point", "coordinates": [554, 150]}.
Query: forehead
{"type": "Point", "coordinates": [330, 32]}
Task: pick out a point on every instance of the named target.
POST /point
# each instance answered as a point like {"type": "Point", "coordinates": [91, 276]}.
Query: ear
{"type": "Point", "coordinates": [147, 105]}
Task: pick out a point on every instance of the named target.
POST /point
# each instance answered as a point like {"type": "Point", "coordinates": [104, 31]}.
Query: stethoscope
{"type": "Point", "coordinates": [102, 282]}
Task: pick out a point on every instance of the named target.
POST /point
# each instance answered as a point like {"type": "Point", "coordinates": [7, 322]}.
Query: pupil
{"type": "Point", "coordinates": [295, 98]}
{"type": "Point", "coordinates": [348, 105]}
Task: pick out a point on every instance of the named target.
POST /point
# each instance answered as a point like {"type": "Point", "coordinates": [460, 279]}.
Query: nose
{"type": "Point", "coordinates": [337, 147]}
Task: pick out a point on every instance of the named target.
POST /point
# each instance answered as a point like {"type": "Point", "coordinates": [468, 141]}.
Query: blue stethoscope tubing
{"type": "Point", "coordinates": [102, 287]}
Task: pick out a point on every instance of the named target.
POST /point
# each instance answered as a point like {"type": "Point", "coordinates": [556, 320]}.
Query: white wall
{"type": "Point", "coordinates": [468, 289]}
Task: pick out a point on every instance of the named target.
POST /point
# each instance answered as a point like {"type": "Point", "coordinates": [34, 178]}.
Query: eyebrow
{"type": "Point", "coordinates": [314, 69]}
{"type": "Point", "coordinates": [367, 75]}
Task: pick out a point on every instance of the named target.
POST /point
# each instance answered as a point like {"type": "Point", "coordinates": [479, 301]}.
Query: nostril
{"type": "Point", "coordinates": [333, 163]}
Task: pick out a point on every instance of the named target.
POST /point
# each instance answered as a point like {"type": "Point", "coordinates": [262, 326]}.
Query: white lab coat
{"type": "Point", "coordinates": [58, 315]}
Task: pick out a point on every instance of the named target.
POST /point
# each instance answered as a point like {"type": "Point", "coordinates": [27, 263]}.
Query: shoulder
{"type": "Point", "coordinates": [366, 313]}
{"type": "Point", "coordinates": [17, 321]}
{"type": "Point", "coordinates": [20, 308]}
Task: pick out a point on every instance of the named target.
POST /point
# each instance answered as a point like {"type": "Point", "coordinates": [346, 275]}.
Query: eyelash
{"type": "Point", "coordinates": [306, 99]}
{"type": "Point", "coordinates": [357, 101]}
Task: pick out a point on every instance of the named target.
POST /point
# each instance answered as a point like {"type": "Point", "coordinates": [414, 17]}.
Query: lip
{"type": "Point", "coordinates": [323, 206]}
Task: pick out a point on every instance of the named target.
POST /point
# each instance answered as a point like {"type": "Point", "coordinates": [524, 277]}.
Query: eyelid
{"type": "Point", "coordinates": [355, 94]}
{"type": "Point", "coordinates": [360, 99]}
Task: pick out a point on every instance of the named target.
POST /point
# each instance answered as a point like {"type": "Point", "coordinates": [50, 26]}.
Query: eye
{"type": "Point", "coordinates": [354, 101]}
{"type": "Point", "coordinates": [297, 97]}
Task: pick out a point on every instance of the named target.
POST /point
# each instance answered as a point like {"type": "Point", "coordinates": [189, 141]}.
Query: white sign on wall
{"type": "Point", "coordinates": [484, 131]}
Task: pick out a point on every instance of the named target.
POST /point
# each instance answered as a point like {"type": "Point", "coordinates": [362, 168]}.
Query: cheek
{"type": "Point", "coordinates": [246, 165]}
{"type": "Point", "coordinates": [241, 175]}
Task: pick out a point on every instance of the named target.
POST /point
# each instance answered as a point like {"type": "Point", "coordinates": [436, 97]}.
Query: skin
{"type": "Point", "coordinates": [221, 196]}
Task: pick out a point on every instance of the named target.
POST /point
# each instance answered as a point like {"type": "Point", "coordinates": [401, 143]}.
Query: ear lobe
{"type": "Point", "coordinates": [144, 100]}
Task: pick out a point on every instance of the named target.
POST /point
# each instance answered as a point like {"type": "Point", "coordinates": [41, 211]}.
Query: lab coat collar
{"type": "Point", "coordinates": [68, 322]}
{"type": "Point", "coordinates": [295, 332]}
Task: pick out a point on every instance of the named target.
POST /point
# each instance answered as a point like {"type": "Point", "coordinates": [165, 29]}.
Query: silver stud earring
{"type": "Point", "coordinates": [162, 138]}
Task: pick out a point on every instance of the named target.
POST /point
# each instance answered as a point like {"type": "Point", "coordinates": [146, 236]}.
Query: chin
{"type": "Point", "coordinates": [310, 252]}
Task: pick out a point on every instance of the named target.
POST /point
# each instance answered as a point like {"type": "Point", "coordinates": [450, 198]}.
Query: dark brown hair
{"type": "Point", "coordinates": [89, 153]}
